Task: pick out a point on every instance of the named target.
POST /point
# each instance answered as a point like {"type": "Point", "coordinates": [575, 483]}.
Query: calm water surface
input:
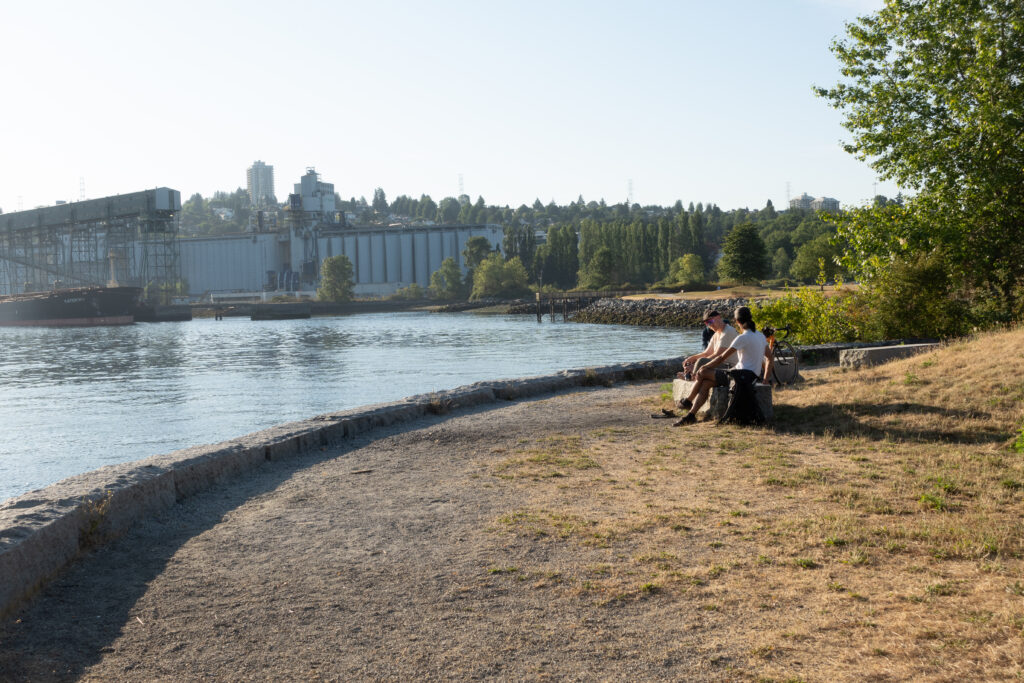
{"type": "Point", "coordinates": [72, 400]}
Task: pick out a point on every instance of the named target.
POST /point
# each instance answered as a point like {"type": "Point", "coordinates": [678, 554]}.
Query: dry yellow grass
{"type": "Point", "coordinates": [875, 533]}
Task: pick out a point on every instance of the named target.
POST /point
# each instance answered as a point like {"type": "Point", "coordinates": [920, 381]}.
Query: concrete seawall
{"type": "Point", "coordinates": [43, 531]}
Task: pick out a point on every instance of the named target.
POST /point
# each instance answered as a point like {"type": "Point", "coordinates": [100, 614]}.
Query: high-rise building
{"type": "Point", "coordinates": [260, 182]}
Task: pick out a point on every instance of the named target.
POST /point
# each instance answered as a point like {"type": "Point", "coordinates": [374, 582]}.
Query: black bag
{"type": "Point", "coordinates": [743, 408]}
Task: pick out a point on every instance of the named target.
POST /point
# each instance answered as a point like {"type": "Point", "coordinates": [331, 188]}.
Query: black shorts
{"type": "Point", "coordinates": [721, 377]}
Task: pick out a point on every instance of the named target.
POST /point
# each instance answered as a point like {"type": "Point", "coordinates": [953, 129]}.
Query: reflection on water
{"type": "Point", "coordinates": [75, 399]}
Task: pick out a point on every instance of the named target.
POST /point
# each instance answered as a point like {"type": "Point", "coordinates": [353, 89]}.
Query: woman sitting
{"type": "Point", "coordinates": [752, 358]}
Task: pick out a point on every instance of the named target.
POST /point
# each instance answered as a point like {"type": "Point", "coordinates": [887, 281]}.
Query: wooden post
{"type": "Point", "coordinates": [538, 307]}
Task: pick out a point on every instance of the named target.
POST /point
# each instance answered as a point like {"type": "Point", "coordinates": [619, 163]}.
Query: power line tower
{"type": "Point", "coordinates": [629, 192]}
{"type": "Point", "coordinates": [462, 190]}
{"type": "Point", "coordinates": [787, 194]}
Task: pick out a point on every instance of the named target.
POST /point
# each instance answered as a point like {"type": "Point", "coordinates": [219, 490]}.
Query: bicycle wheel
{"type": "Point", "coordinates": [786, 362]}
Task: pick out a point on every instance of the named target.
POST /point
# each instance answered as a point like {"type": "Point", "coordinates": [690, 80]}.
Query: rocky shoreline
{"type": "Point", "coordinates": [654, 312]}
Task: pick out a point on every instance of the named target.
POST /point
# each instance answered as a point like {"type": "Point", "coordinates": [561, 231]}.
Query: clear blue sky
{"type": "Point", "coordinates": [692, 100]}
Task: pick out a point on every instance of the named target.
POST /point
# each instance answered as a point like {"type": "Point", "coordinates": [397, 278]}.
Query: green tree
{"type": "Point", "coordinates": [932, 95]}
{"type": "Point", "coordinates": [599, 271]}
{"type": "Point", "coordinates": [380, 201]}
{"type": "Point", "coordinates": [448, 210]}
{"type": "Point", "coordinates": [807, 264]}
{"type": "Point", "coordinates": [336, 279]}
{"type": "Point", "coordinates": [781, 263]}
{"type": "Point", "coordinates": [687, 270]}
{"type": "Point", "coordinates": [496, 277]}
{"type": "Point", "coordinates": [744, 256]}
{"type": "Point", "coordinates": [476, 250]}
{"type": "Point", "coordinates": [446, 281]}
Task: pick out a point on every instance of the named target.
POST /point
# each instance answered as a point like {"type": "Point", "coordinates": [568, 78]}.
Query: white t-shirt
{"type": "Point", "coordinates": [750, 348]}
{"type": "Point", "coordinates": [721, 341]}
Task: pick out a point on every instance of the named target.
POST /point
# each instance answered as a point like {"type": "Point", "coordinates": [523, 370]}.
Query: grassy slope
{"type": "Point", "coordinates": [875, 533]}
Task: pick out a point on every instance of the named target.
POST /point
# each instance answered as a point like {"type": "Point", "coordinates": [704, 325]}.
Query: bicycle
{"type": "Point", "coordinates": [785, 358]}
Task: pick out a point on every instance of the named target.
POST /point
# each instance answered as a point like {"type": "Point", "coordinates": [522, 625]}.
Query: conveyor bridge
{"type": "Point", "coordinates": [130, 239]}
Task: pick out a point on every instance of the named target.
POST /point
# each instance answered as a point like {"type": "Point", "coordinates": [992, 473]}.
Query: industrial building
{"type": "Point", "coordinates": [128, 239]}
{"type": "Point", "coordinates": [384, 259]}
{"type": "Point", "coordinates": [133, 239]}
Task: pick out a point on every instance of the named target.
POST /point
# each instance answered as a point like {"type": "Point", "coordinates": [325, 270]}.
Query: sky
{"type": "Point", "coordinates": [677, 99]}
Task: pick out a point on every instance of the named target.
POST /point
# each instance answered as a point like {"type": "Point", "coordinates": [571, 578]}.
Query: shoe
{"type": "Point", "coordinates": [663, 415]}
{"type": "Point", "coordinates": [687, 419]}
{"type": "Point", "coordinates": [686, 403]}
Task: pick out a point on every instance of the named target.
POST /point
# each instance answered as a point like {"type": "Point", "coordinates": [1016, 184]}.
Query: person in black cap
{"type": "Point", "coordinates": [748, 351]}
{"type": "Point", "coordinates": [720, 339]}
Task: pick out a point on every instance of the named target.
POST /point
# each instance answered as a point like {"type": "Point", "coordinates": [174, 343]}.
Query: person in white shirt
{"type": "Point", "coordinates": [721, 337]}
{"type": "Point", "coordinates": [752, 356]}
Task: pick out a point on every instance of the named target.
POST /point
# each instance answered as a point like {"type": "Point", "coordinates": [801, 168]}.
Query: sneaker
{"type": "Point", "coordinates": [687, 419]}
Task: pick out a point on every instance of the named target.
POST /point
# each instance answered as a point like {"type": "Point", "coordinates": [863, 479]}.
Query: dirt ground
{"type": "Point", "coordinates": [380, 561]}
{"type": "Point", "coordinates": [875, 533]}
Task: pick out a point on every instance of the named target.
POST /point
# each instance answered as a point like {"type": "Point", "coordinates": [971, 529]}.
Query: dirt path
{"type": "Point", "coordinates": [385, 560]}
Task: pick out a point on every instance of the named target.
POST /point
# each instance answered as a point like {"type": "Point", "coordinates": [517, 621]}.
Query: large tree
{"type": "Point", "coordinates": [336, 279]}
{"type": "Point", "coordinates": [744, 256]}
{"type": "Point", "coordinates": [932, 95]}
{"type": "Point", "coordinates": [446, 281]}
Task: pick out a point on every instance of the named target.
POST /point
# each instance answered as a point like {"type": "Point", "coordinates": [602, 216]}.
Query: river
{"type": "Point", "coordinates": [74, 399]}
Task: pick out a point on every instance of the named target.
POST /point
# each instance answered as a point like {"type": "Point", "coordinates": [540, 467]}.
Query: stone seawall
{"type": "Point", "coordinates": [655, 312]}
{"type": "Point", "coordinates": [42, 531]}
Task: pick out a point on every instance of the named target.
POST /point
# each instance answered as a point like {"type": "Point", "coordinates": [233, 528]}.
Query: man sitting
{"type": "Point", "coordinates": [753, 359]}
{"type": "Point", "coordinates": [721, 338]}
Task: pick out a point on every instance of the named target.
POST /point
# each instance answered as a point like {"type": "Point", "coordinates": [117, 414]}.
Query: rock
{"type": "Point", "coordinates": [718, 401]}
{"type": "Point", "coordinates": [859, 358]}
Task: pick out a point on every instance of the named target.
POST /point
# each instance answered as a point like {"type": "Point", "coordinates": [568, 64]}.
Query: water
{"type": "Point", "coordinates": [75, 399]}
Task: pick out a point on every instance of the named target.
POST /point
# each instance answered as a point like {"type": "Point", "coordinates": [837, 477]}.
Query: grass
{"type": "Point", "coordinates": [878, 519]}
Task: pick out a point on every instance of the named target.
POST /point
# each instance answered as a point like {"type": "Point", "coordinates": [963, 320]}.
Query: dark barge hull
{"type": "Point", "coordinates": [84, 306]}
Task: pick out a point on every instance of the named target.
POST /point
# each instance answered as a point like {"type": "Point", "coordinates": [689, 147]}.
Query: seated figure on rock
{"type": "Point", "coordinates": [721, 339]}
{"type": "Point", "coordinates": [752, 359]}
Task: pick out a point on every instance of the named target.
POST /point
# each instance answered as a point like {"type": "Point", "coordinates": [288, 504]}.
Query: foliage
{"type": "Point", "coordinates": [600, 272]}
{"type": "Point", "coordinates": [336, 279]}
{"type": "Point", "coordinates": [914, 298]}
{"type": "Point", "coordinates": [380, 201]}
{"type": "Point", "coordinates": [816, 318]}
{"type": "Point", "coordinates": [521, 241]}
{"type": "Point", "coordinates": [744, 256]}
{"type": "Point", "coordinates": [557, 260]}
{"type": "Point", "coordinates": [815, 255]}
{"type": "Point", "coordinates": [446, 281]}
{"type": "Point", "coordinates": [411, 293]}
{"type": "Point", "coordinates": [496, 277]}
{"type": "Point", "coordinates": [687, 270]}
{"type": "Point", "coordinates": [932, 96]}
{"type": "Point", "coordinates": [476, 250]}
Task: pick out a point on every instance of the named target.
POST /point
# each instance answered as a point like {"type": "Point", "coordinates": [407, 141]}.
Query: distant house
{"type": "Point", "coordinates": [807, 202]}
{"type": "Point", "coordinates": [225, 214]}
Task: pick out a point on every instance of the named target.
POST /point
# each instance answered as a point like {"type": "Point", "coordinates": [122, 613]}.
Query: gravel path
{"type": "Point", "coordinates": [376, 561]}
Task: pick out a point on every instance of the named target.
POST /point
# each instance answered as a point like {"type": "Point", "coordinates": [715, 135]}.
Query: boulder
{"type": "Point", "coordinates": [860, 358]}
{"type": "Point", "coordinates": [718, 401]}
